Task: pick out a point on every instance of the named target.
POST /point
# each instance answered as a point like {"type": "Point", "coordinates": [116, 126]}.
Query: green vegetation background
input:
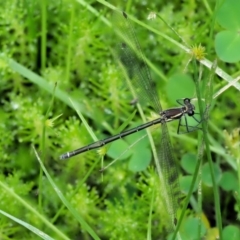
{"type": "Point", "coordinates": [67, 42]}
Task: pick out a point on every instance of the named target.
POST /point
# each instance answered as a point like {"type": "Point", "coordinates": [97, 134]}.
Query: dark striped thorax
{"type": "Point", "coordinates": [176, 113]}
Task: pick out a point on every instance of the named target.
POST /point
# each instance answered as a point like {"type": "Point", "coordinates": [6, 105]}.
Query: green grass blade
{"type": "Point", "coordinates": [28, 226]}
{"type": "Point", "coordinates": [11, 192]}
{"type": "Point", "coordinates": [205, 137]}
{"type": "Point", "coordinates": [73, 211]}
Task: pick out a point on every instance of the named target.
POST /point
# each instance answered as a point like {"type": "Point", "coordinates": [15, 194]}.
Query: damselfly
{"type": "Point", "coordinates": [130, 56]}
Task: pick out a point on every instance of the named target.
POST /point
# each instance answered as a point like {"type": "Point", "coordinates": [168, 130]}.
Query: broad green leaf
{"type": "Point", "coordinates": [140, 160]}
{"type": "Point", "coordinates": [180, 86]}
{"type": "Point", "coordinates": [227, 45]}
{"type": "Point", "coordinates": [188, 162]}
{"type": "Point", "coordinates": [229, 181]}
{"type": "Point", "coordinates": [232, 231]}
{"type": "Point", "coordinates": [228, 15]}
{"type": "Point", "coordinates": [190, 228]}
{"type": "Point", "coordinates": [117, 148]}
{"type": "Point", "coordinates": [206, 174]}
{"type": "Point", "coordinates": [138, 139]}
{"type": "Point", "coordinates": [185, 183]}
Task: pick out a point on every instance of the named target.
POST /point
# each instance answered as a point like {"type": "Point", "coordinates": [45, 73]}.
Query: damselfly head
{"type": "Point", "coordinates": [190, 112]}
{"type": "Point", "coordinates": [186, 100]}
{"type": "Point", "coordinates": [189, 106]}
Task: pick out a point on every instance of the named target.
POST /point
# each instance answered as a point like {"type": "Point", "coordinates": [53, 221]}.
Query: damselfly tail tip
{"type": "Point", "coordinates": [64, 156]}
